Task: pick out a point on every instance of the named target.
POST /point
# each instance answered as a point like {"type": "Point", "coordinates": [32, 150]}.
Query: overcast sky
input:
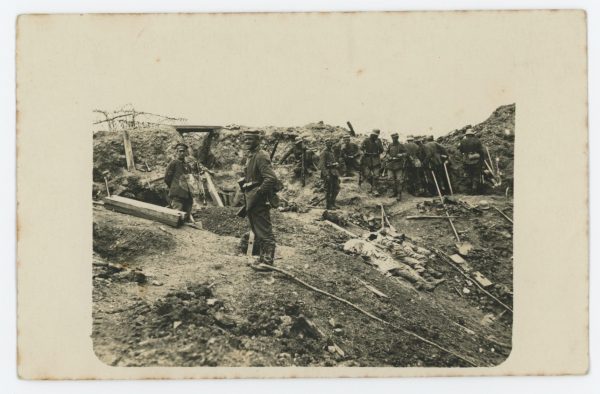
{"type": "Point", "coordinates": [409, 73]}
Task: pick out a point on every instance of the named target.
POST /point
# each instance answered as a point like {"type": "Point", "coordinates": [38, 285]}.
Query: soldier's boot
{"type": "Point", "coordinates": [327, 201]}
{"type": "Point", "coordinates": [333, 198]}
{"type": "Point", "coordinates": [263, 259]}
{"type": "Point", "coordinates": [269, 254]}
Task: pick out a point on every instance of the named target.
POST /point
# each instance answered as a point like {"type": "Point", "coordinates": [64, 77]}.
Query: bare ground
{"type": "Point", "coordinates": [186, 297]}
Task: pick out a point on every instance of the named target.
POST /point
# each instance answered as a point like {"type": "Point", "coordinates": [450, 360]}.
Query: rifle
{"type": "Point", "coordinates": [274, 149]}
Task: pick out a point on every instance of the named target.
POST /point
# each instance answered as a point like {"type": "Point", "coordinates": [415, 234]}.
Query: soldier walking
{"type": "Point", "coordinates": [396, 156]}
{"type": "Point", "coordinates": [260, 186]}
{"type": "Point", "coordinates": [472, 151]}
{"type": "Point", "coordinates": [330, 175]}
{"type": "Point", "coordinates": [372, 149]}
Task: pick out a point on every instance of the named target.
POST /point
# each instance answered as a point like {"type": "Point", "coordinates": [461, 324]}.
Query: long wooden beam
{"type": "Point", "coordinates": [145, 210]}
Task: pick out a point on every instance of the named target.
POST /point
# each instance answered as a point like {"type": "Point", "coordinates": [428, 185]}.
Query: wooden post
{"type": "Point", "coordinates": [352, 132]}
{"type": "Point", "coordinates": [212, 190]}
{"type": "Point", "coordinates": [128, 151]}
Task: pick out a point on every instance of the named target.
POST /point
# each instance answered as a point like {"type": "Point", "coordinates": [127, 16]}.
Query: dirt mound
{"type": "Point", "coordinates": [116, 239]}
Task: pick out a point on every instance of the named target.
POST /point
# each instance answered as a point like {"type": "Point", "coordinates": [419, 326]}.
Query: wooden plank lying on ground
{"type": "Point", "coordinates": [212, 190]}
{"type": "Point", "coordinates": [429, 217]}
{"type": "Point", "coordinates": [144, 210]}
{"type": "Point", "coordinates": [341, 229]}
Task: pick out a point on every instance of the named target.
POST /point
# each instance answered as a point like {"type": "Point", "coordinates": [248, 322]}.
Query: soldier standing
{"type": "Point", "coordinates": [181, 195]}
{"type": "Point", "coordinates": [303, 159]}
{"type": "Point", "coordinates": [348, 154]}
{"type": "Point", "coordinates": [396, 156]}
{"type": "Point", "coordinates": [372, 149]}
{"type": "Point", "coordinates": [414, 166]}
{"type": "Point", "coordinates": [260, 186]}
{"type": "Point", "coordinates": [434, 156]}
{"type": "Point", "coordinates": [330, 175]}
{"type": "Point", "coordinates": [472, 151]}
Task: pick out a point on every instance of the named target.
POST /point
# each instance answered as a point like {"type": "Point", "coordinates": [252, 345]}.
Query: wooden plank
{"type": "Point", "coordinates": [461, 262]}
{"type": "Point", "coordinates": [145, 210]}
{"type": "Point", "coordinates": [482, 280]}
{"type": "Point", "coordinates": [212, 190]}
{"type": "Point", "coordinates": [128, 151]}
{"type": "Point", "coordinates": [343, 230]}
{"type": "Point", "coordinates": [195, 128]}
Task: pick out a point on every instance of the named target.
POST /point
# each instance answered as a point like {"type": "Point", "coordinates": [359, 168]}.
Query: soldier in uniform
{"type": "Point", "coordinates": [181, 195]}
{"type": "Point", "coordinates": [260, 186]}
{"type": "Point", "coordinates": [372, 149]}
{"type": "Point", "coordinates": [434, 156]}
{"type": "Point", "coordinates": [414, 168]}
{"type": "Point", "coordinates": [348, 154]}
{"type": "Point", "coordinates": [330, 175]}
{"type": "Point", "coordinates": [472, 151]}
{"type": "Point", "coordinates": [303, 158]}
{"type": "Point", "coordinates": [396, 156]}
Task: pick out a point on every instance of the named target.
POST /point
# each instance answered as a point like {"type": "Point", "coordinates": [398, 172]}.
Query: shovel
{"type": "Point", "coordinates": [462, 246]}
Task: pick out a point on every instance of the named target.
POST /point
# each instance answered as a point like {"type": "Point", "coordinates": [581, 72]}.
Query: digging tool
{"type": "Point", "coordinates": [387, 220]}
{"type": "Point", "coordinates": [448, 177]}
{"type": "Point", "coordinates": [382, 217]}
{"type": "Point", "coordinates": [503, 214]}
{"type": "Point", "coordinates": [491, 162]}
{"type": "Point", "coordinates": [105, 174]}
{"type": "Point", "coordinates": [250, 244]}
{"type": "Point", "coordinates": [444, 205]}
{"type": "Point", "coordinates": [445, 258]}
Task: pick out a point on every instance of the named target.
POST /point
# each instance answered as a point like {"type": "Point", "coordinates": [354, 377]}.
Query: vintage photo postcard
{"type": "Point", "coordinates": [372, 194]}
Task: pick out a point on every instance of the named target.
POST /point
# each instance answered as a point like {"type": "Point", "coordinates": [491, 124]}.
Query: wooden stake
{"type": "Point", "coordinates": [128, 151]}
{"type": "Point", "coordinates": [250, 244]}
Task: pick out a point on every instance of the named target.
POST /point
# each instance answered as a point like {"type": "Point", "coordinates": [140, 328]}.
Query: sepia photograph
{"type": "Point", "coordinates": [292, 195]}
{"type": "Point", "coordinates": [364, 243]}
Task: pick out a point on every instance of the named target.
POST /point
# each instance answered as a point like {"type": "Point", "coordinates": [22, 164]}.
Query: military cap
{"type": "Point", "coordinates": [376, 131]}
{"type": "Point", "coordinates": [469, 132]}
{"type": "Point", "coordinates": [394, 135]}
{"type": "Point", "coordinates": [410, 138]}
{"type": "Point", "coordinates": [346, 137]}
{"type": "Point", "coordinates": [181, 144]}
{"type": "Point", "coordinates": [429, 138]}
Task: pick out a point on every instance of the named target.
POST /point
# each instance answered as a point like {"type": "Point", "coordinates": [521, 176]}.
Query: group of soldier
{"type": "Point", "coordinates": [420, 163]}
